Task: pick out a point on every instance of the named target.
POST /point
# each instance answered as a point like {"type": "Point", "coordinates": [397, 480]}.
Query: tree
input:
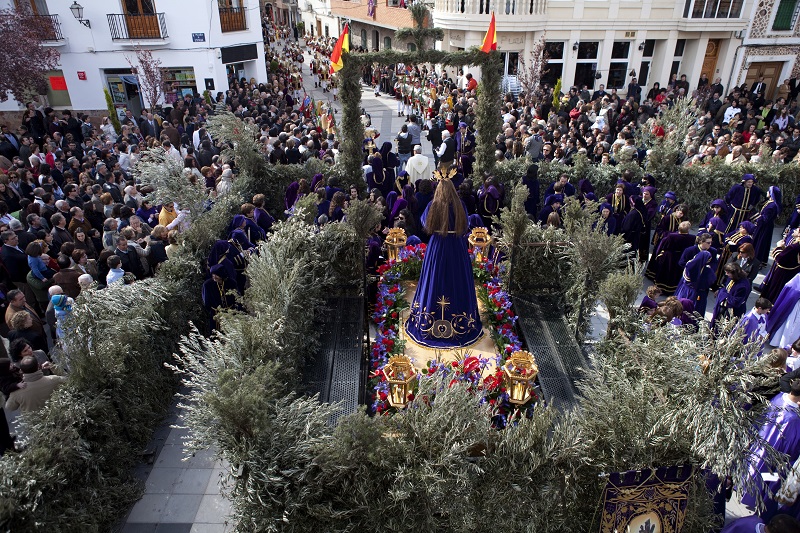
{"type": "Point", "coordinates": [532, 69]}
{"type": "Point", "coordinates": [22, 75]}
{"type": "Point", "coordinates": [421, 31]}
{"type": "Point", "coordinates": [150, 74]}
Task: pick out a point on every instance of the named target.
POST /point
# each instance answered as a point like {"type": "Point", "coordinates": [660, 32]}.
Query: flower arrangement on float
{"type": "Point", "coordinates": [393, 379]}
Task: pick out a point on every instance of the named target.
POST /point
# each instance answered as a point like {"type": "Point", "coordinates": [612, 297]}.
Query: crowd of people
{"type": "Point", "coordinates": [73, 216]}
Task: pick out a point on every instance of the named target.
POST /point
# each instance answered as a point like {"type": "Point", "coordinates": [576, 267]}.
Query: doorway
{"type": "Point", "coordinates": [141, 19]}
{"type": "Point", "coordinates": [710, 59]}
{"type": "Point", "coordinates": [771, 72]}
{"type": "Point", "coordinates": [319, 27]}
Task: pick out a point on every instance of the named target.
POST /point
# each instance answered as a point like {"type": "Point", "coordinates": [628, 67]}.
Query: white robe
{"type": "Point", "coordinates": [418, 168]}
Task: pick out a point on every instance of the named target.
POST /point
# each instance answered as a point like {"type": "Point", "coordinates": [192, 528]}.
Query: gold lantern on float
{"type": "Point", "coordinates": [395, 240]}
{"type": "Point", "coordinates": [400, 374]}
{"type": "Point", "coordinates": [519, 372]}
{"type": "Point", "coordinates": [479, 239]}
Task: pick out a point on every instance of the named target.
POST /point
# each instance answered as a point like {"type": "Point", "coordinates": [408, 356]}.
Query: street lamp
{"type": "Point", "coordinates": [77, 12]}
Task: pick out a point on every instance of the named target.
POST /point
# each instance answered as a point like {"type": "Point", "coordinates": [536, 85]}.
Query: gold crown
{"type": "Point", "coordinates": [442, 174]}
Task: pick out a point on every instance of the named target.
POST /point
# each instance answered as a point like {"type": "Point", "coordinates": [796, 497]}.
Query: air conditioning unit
{"type": "Point", "coordinates": [630, 34]}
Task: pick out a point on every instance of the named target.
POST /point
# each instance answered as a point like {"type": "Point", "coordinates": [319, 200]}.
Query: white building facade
{"type": "Point", "coordinates": [201, 44]}
{"type": "Point", "coordinates": [593, 42]}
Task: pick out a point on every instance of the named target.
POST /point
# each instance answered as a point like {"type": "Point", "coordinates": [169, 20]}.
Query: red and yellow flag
{"type": "Point", "coordinates": [490, 41]}
{"type": "Point", "coordinates": [342, 45]}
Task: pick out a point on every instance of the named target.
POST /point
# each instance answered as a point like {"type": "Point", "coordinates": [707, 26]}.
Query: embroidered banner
{"type": "Point", "coordinates": [646, 501]}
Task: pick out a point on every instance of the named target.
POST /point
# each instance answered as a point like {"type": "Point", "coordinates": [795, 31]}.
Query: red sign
{"type": "Point", "coordinates": [58, 83]}
{"type": "Point", "coordinates": [81, 75]}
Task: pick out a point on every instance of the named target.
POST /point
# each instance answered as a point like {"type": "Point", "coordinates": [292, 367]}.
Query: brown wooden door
{"type": "Point", "coordinates": [319, 27]}
{"type": "Point", "coordinates": [710, 59]}
{"type": "Point", "coordinates": [141, 19]}
{"type": "Point", "coordinates": [771, 72]}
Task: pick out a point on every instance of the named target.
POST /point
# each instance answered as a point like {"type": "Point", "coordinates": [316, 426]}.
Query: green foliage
{"type": "Point", "coordinates": [165, 175]}
{"type": "Point", "coordinates": [112, 112]}
{"type": "Point", "coordinates": [486, 114]}
{"type": "Point", "coordinates": [591, 256]}
{"type": "Point", "coordinates": [618, 293]}
{"type": "Point", "coordinates": [557, 96]}
{"type": "Point", "coordinates": [351, 127]}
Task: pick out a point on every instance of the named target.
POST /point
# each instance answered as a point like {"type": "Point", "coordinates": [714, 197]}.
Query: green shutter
{"type": "Point", "coordinates": [783, 19]}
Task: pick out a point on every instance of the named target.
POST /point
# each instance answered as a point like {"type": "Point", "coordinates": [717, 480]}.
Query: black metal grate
{"type": "Point", "coordinates": [337, 372]}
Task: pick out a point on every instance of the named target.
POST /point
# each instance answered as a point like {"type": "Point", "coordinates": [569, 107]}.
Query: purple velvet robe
{"type": "Point", "coordinates": [663, 268]}
{"type": "Point", "coordinates": [785, 266]}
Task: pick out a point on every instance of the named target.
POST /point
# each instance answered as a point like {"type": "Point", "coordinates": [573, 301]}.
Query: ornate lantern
{"type": "Point", "coordinates": [395, 240]}
{"type": "Point", "coordinates": [399, 373]}
{"type": "Point", "coordinates": [480, 239]}
{"type": "Point", "coordinates": [520, 370]}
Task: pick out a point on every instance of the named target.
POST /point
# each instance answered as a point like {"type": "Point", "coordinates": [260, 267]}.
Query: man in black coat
{"type": "Point", "coordinates": [130, 258]}
{"type": "Point", "coordinates": [14, 259]}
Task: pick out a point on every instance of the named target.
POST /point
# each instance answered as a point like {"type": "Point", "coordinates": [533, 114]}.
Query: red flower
{"type": "Point", "coordinates": [471, 363]}
{"type": "Point", "coordinates": [422, 246]}
{"type": "Point", "coordinates": [394, 314]}
{"type": "Point", "coordinates": [455, 364]}
{"type": "Point", "coordinates": [509, 349]}
{"type": "Point", "coordinates": [411, 396]}
{"type": "Point", "coordinates": [383, 396]}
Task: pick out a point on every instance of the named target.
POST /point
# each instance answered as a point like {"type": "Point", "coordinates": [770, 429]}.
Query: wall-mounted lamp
{"type": "Point", "coordinates": [77, 12]}
{"type": "Point", "coordinates": [575, 46]}
{"type": "Point", "coordinates": [641, 46]}
{"type": "Point", "coordinates": [632, 73]}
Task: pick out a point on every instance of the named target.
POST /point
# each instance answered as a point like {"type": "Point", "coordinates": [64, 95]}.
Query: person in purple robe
{"type": "Point", "coordinates": [663, 268]}
{"type": "Point", "coordinates": [398, 206]}
{"type": "Point", "coordinates": [606, 221]}
{"type": "Point", "coordinates": [783, 322]}
{"type": "Point", "coordinates": [409, 196]}
{"type": "Point", "coordinates": [651, 208]}
{"type": "Point", "coordinates": [649, 302]}
{"type": "Point", "coordinates": [620, 204]}
{"type": "Point", "coordinates": [733, 241]}
{"type": "Point", "coordinates": [781, 430]}
{"type": "Point", "coordinates": [765, 224]}
{"type": "Point", "coordinates": [332, 188]}
{"type": "Point", "coordinates": [791, 224]}
{"type": "Point", "coordinates": [226, 254]}
{"type": "Point", "coordinates": [669, 224]}
{"type": "Point", "coordinates": [698, 275]}
{"type": "Point", "coordinates": [260, 214]}
{"type": "Point", "coordinates": [718, 209]}
{"type": "Point", "coordinates": [585, 192]}
{"type": "Point", "coordinates": [688, 318]}
{"type": "Point", "coordinates": [316, 181]}
{"type": "Point", "coordinates": [732, 296]}
{"type": "Point", "coordinates": [218, 293]}
{"type": "Point", "coordinates": [785, 265]}
{"type": "Point", "coordinates": [489, 200]}
{"type": "Point", "coordinates": [390, 164]}
{"type": "Point", "coordinates": [291, 195]}
{"type": "Point", "coordinates": [632, 225]}
{"type": "Point", "coordinates": [553, 204]}
{"type": "Point", "coordinates": [716, 228]}
{"type": "Point", "coordinates": [782, 523]}
{"type": "Point", "coordinates": [465, 145]}
{"type": "Point", "coordinates": [703, 242]}
{"type": "Point", "coordinates": [753, 325]}
{"type": "Point", "coordinates": [531, 181]}
{"type": "Point", "coordinates": [377, 178]}
{"type": "Point", "coordinates": [741, 200]}
{"type": "Point", "coordinates": [668, 204]}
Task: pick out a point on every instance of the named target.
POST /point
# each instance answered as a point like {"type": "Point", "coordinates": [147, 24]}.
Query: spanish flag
{"type": "Point", "coordinates": [342, 45]}
{"type": "Point", "coordinates": [490, 41]}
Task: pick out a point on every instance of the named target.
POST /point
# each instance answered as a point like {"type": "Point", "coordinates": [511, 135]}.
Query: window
{"type": "Point", "coordinates": [618, 69]}
{"type": "Point", "coordinates": [364, 40]}
{"type": "Point", "coordinates": [676, 67]}
{"type": "Point", "coordinates": [680, 45]}
{"type": "Point", "coordinates": [786, 16]}
{"type": "Point", "coordinates": [327, 31]}
{"type": "Point", "coordinates": [411, 47]}
{"type": "Point", "coordinates": [387, 43]}
{"type": "Point", "coordinates": [709, 9]}
{"type": "Point", "coordinates": [647, 55]}
{"type": "Point", "coordinates": [555, 62]}
{"type": "Point", "coordinates": [586, 68]}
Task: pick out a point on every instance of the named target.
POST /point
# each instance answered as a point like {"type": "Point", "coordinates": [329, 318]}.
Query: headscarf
{"type": "Point", "coordinates": [291, 195]}
{"type": "Point", "coordinates": [220, 271]}
{"type": "Point", "coordinates": [775, 193]}
{"type": "Point", "coordinates": [719, 202]}
{"type": "Point", "coordinates": [398, 206]}
{"type": "Point", "coordinates": [474, 221]}
{"type": "Point", "coordinates": [671, 195]}
{"type": "Point", "coordinates": [585, 186]}
{"type": "Point", "coordinates": [605, 205]}
{"type": "Point", "coordinates": [391, 198]}
{"type": "Point", "coordinates": [695, 266]}
{"type": "Point", "coordinates": [315, 181]}
{"type": "Point", "coordinates": [553, 198]}
{"type": "Point", "coordinates": [749, 177]}
{"type": "Point", "coordinates": [748, 226]}
{"type": "Point", "coordinates": [651, 190]}
{"type": "Point", "coordinates": [237, 222]}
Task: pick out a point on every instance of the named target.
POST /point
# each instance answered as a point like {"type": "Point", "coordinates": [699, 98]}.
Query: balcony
{"type": "Point", "coordinates": [232, 19]}
{"type": "Point", "coordinates": [713, 9]}
{"type": "Point", "coordinates": [49, 28]}
{"type": "Point", "coordinates": [485, 7]}
{"type": "Point", "coordinates": [128, 27]}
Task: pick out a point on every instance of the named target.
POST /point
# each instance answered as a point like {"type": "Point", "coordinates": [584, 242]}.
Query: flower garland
{"type": "Point", "coordinates": [500, 319]}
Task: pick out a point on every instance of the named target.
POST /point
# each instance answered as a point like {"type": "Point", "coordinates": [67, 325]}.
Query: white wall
{"type": "Point", "coordinates": [92, 49]}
